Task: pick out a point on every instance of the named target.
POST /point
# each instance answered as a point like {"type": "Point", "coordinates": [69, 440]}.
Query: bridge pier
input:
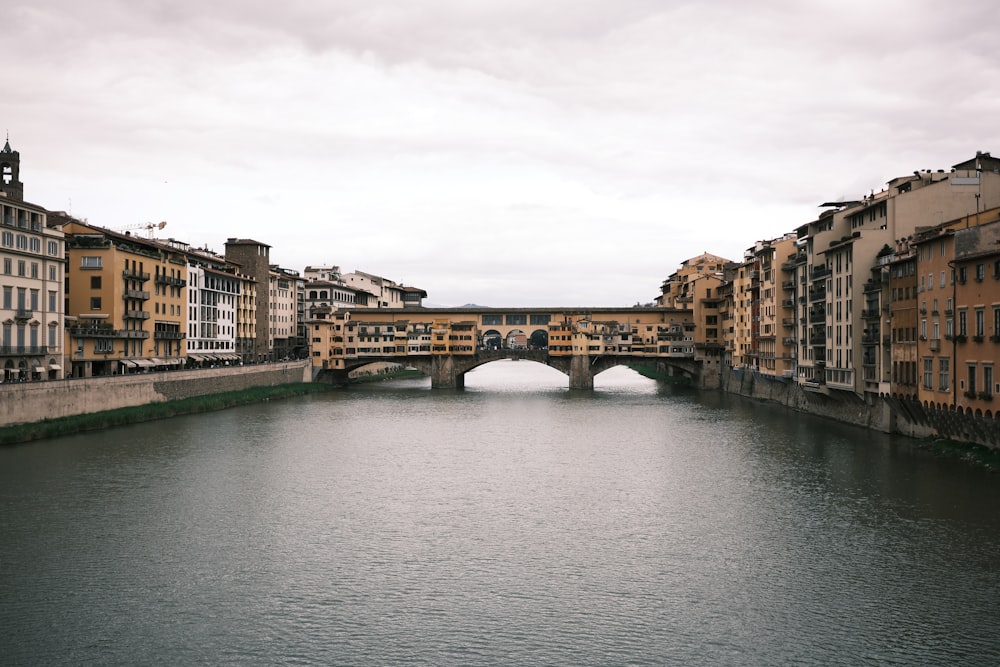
{"type": "Point", "coordinates": [443, 373]}
{"type": "Point", "coordinates": [581, 375]}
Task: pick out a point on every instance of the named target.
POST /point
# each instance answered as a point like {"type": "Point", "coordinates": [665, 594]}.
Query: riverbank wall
{"type": "Point", "coordinates": [886, 414]}
{"type": "Point", "coordinates": [23, 403]}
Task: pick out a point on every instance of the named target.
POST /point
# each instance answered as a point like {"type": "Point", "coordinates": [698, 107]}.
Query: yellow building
{"type": "Point", "coordinates": [126, 302]}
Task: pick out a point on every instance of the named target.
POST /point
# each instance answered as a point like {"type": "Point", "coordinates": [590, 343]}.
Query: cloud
{"type": "Point", "coordinates": [539, 151]}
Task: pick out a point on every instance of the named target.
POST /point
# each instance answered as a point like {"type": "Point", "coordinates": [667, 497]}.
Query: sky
{"type": "Point", "coordinates": [495, 152]}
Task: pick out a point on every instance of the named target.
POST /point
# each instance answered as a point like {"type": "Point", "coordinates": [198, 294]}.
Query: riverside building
{"type": "Point", "coordinates": [33, 255]}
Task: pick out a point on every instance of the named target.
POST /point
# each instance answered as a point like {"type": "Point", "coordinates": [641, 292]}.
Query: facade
{"type": "Point", "coordinates": [32, 250]}
{"type": "Point", "coordinates": [126, 302]}
{"type": "Point", "coordinates": [283, 298]}
{"type": "Point", "coordinates": [213, 302]}
{"type": "Point", "coordinates": [253, 259]}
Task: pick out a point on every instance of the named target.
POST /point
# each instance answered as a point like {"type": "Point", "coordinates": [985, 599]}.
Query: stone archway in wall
{"type": "Point", "coordinates": [492, 340]}
{"type": "Point", "coordinates": [539, 339]}
{"type": "Point", "coordinates": [516, 340]}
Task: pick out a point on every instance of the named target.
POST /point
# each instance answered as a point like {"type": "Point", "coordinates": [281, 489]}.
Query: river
{"type": "Point", "coordinates": [510, 523]}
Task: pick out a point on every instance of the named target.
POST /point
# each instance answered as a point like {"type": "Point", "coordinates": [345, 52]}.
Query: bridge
{"type": "Point", "coordinates": [447, 343]}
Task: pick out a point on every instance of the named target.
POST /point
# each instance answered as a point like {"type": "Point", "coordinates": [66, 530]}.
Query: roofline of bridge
{"type": "Point", "coordinates": [573, 310]}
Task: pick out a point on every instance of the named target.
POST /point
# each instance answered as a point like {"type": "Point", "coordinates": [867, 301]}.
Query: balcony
{"type": "Point", "coordinates": [132, 333]}
{"type": "Point", "coordinates": [819, 272]}
{"type": "Point", "coordinates": [934, 344]}
{"type": "Point", "coordinates": [138, 295]}
{"type": "Point", "coordinates": [8, 350]}
{"type": "Point", "coordinates": [163, 279]}
{"type": "Point", "coordinates": [93, 331]}
{"type": "Point", "coordinates": [871, 314]}
{"type": "Point", "coordinates": [788, 285]}
{"type": "Point", "coordinates": [135, 315]}
{"type": "Point", "coordinates": [23, 314]}
{"type": "Point", "coordinates": [872, 287]}
{"type": "Point", "coordinates": [817, 339]}
{"type": "Point", "coordinates": [788, 303]}
{"type": "Point", "coordinates": [817, 294]}
{"type": "Point", "coordinates": [168, 335]}
{"type": "Point", "coordinates": [788, 322]}
{"type": "Point", "coordinates": [135, 275]}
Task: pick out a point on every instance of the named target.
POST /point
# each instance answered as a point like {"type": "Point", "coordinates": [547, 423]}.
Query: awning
{"type": "Point", "coordinates": [158, 362]}
{"type": "Point", "coordinates": [127, 362]}
{"type": "Point", "coordinates": [173, 362]}
{"type": "Point", "coordinates": [39, 369]}
{"type": "Point", "coordinates": [55, 367]}
{"type": "Point", "coordinates": [144, 363]}
{"type": "Point", "coordinates": [195, 357]}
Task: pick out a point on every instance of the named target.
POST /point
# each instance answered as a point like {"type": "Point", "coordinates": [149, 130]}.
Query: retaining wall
{"type": "Point", "coordinates": [889, 415]}
{"type": "Point", "coordinates": [34, 401]}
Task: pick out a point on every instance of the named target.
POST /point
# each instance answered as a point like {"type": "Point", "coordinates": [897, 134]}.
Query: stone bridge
{"type": "Point", "coordinates": [448, 343]}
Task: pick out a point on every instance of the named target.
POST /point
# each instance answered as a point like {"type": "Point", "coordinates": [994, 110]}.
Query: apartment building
{"type": "Point", "coordinates": [33, 254]}
{"type": "Point", "coordinates": [126, 301]}
{"type": "Point", "coordinates": [387, 293]}
{"type": "Point", "coordinates": [213, 304]}
{"type": "Point", "coordinates": [283, 288]}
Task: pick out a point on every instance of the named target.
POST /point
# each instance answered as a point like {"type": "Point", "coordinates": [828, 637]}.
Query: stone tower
{"type": "Point", "coordinates": [254, 260]}
{"type": "Point", "coordinates": [10, 173]}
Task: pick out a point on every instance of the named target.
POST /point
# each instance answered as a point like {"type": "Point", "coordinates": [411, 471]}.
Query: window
{"type": "Point", "coordinates": [8, 266]}
{"type": "Point", "coordinates": [980, 322]}
{"type": "Point", "coordinates": [52, 301]}
{"type": "Point", "coordinates": [988, 380]}
{"type": "Point", "coordinates": [95, 303]}
{"type": "Point", "coordinates": [8, 297]}
{"type": "Point", "coordinates": [972, 380]}
{"type": "Point", "coordinates": [980, 272]}
{"type": "Point", "coordinates": [95, 282]}
{"type": "Point", "coordinates": [942, 279]}
{"type": "Point", "coordinates": [8, 239]}
{"type": "Point", "coordinates": [90, 262]}
{"type": "Point", "coordinates": [21, 268]}
{"type": "Point", "coordinates": [928, 373]}
{"type": "Point", "coordinates": [35, 244]}
{"type": "Point", "coordinates": [944, 374]}
{"type": "Point", "coordinates": [962, 324]}
{"type": "Point", "coordinates": [53, 248]}
{"type": "Point", "coordinates": [22, 242]}
{"type": "Point", "coordinates": [963, 275]}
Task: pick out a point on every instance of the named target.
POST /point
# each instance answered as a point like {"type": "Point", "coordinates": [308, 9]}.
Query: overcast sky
{"type": "Point", "coordinates": [498, 152]}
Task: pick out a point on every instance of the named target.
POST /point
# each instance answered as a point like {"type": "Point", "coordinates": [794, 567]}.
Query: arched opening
{"type": "Point", "coordinates": [539, 339]}
{"type": "Point", "coordinates": [516, 340]}
{"type": "Point", "coordinates": [492, 340]}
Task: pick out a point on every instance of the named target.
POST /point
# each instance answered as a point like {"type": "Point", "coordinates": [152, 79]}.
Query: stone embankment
{"type": "Point", "coordinates": [889, 415]}
{"type": "Point", "coordinates": [22, 403]}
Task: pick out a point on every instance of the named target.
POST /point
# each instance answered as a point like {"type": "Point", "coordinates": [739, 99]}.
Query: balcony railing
{"type": "Point", "coordinates": [934, 344]}
{"type": "Point", "coordinates": [819, 272]}
{"type": "Point", "coordinates": [169, 335]}
{"type": "Point", "coordinates": [136, 294]}
{"type": "Point", "coordinates": [23, 349]}
{"type": "Point", "coordinates": [134, 275]}
{"type": "Point", "coordinates": [135, 315]}
{"type": "Point", "coordinates": [163, 279]}
{"type": "Point", "coordinates": [23, 314]}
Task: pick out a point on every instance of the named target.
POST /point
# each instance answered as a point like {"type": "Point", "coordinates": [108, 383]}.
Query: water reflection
{"type": "Point", "coordinates": [515, 522]}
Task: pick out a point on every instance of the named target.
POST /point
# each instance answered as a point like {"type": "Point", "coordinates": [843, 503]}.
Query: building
{"type": "Point", "coordinates": [253, 259]}
{"type": "Point", "coordinates": [32, 248]}
{"type": "Point", "coordinates": [126, 301]}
